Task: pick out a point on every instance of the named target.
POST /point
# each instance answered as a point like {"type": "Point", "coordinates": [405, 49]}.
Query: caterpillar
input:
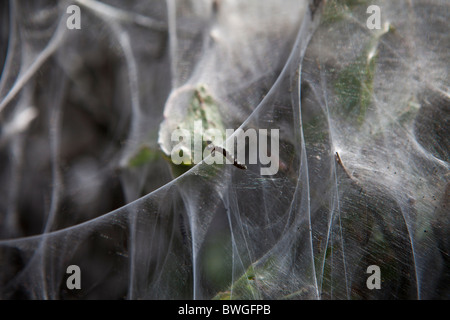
{"type": "Point", "coordinates": [227, 155]}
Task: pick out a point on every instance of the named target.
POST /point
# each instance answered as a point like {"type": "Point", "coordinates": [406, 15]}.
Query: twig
{"type": "Point", "coordinates": [352, 178]}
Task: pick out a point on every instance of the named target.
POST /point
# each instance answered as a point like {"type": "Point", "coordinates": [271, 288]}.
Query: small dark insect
{"type": "Point", "coordinates": [227, 155]}
{"type": "Point", "coordinates": [313, 6]}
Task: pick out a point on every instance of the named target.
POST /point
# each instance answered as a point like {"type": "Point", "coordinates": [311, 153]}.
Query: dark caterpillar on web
{"type": "Point", "coordinates": [227, 155]}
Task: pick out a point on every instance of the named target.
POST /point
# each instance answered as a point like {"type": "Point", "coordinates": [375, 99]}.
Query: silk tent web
{"type": "Point", "coordinates": [363, 152]}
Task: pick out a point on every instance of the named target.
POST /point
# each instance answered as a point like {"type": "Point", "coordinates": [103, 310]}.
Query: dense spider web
{"type": "Point", "coordinates": [77, 105]}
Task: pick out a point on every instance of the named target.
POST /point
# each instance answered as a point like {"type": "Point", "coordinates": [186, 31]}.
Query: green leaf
{"type": "Point", "coordinates": [354, 85]}
{"type": "Point", "coordinates": [145, 155]}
